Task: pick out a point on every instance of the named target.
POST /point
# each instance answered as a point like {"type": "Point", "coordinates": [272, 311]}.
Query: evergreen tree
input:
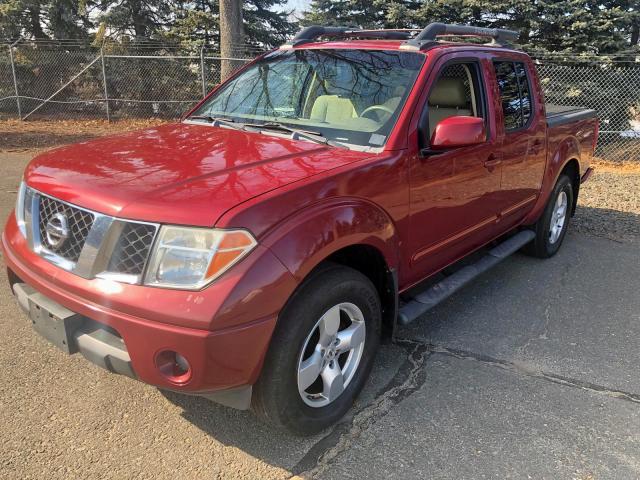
{"type": "Point", "coordinates": [362, 13]}
{"type": "Point", "coordinates": [68, 19]}
{"type": "Point", "coordinates": [197, 22]}
{"type": "Point", "coordinates": [22, 18]}
{"type": "Point", "coordinates": [578, 26]}
{"type": "Point", "coordinates": [140, 18]}
{"type": "Point", "coordinates": [41, 19]}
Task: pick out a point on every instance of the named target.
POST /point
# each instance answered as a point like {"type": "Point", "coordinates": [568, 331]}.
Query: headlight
{"type": "Point", "coordinates": [22, 226]}
{"type": "Point", "coordinates": [190, 258]}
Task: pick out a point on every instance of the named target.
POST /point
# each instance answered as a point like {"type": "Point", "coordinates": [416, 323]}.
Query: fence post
{"type": "Point", "coordinates": [104, 82]}
{"type": "Point", "coordinates": [203, 72]}
{"type": "Point", "coordinates": [15, 78]}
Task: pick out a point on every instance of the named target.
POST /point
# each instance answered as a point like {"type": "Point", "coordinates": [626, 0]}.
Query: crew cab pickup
{"type": "Point", "coordinates": [256, 252]}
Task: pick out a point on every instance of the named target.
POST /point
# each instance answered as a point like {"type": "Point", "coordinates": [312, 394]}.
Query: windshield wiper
{"type": "Point", "coordinates": [217, 122]}
{"type": "Point", "coordinates": [296, 133]}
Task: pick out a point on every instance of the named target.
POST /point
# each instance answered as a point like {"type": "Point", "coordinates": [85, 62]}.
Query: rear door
{"type": "Point", "coordinates": [453, 194]}
{"type": "Point", "coordinates": [522, 131]}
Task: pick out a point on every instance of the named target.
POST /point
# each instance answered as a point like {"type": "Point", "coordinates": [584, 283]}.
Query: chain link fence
{"type": "Point", "coordinates": [67, 80]}
{"type": "Point", "coordinates": [609, 85]}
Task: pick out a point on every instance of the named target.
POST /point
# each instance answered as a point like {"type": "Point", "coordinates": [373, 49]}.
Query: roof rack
{"type": "Point", "coordinates": [423, 40]}
{"type": "Point", "coordinates": [427, 37]}
{"type": "Point", "coordinates": [312, 33]}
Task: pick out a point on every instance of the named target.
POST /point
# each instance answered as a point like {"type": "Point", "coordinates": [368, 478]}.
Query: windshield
{"type": "Point", "coordinates": [348, 96]}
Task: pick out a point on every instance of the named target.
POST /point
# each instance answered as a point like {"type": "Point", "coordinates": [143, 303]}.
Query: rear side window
{"type": "Point", "coordinates": [525, 94]}
{"type": "Point", "coordinates": [514, 92]}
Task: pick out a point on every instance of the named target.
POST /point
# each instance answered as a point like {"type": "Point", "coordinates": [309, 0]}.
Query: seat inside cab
{"type": "Point", "coordinates": [335, 104]}
{"type": "Point", "coordinates": [452, 95]}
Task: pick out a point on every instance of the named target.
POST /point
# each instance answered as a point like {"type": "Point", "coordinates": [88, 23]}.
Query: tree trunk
{"type": "Point", "coordinates": [635, 33]}
{"type": "Point", "coordinates": [231, 35]}
{"type": "Point", "coordinates": [139, 21]}
{"type": "Point", "coordinates": [36, 26]}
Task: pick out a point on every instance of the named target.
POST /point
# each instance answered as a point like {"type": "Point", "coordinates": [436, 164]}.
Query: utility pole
{"type": "Point", "coordinates": [231, 35]}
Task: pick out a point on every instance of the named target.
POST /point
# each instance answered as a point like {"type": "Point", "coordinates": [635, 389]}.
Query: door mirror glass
{"type": "Point", "coordinates": [458, 131]}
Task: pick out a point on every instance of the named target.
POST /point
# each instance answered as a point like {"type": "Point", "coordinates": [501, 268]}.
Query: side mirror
{"type": "Point", "coordinates": [458, 131]}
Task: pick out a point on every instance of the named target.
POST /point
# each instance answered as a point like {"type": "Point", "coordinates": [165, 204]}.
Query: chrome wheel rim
{"type": "Point", "coordinates": [331, 354]}
{"type": "Point", "coordinates": [558, 217]}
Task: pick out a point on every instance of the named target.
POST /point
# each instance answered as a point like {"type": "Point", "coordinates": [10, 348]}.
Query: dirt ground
{"type": "Point", "coordinates": [17, 136]}
{"type": "Point", "coordinates": [490, 385]}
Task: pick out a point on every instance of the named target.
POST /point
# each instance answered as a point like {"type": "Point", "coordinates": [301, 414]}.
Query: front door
{"type": "Point", "coordinates": [453, 194]}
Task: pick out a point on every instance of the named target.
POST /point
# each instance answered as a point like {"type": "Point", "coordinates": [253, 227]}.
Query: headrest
{"type": "Point", "coordinates": [449, 92]}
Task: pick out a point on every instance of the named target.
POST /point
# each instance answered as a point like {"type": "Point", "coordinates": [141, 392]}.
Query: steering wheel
{"type": "Point", "coordinates": [376, 107]}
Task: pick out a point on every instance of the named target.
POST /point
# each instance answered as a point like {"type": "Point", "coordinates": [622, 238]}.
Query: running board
{"type": "Point", "coordinates": [432, 296]}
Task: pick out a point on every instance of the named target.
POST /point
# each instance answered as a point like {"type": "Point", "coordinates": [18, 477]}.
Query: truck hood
{"type": "Point", "coordinates": [178, 173]}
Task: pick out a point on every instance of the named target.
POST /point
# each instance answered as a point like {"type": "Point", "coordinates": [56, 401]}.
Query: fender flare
{"type": "Point", "coordinates": [303, 240]}
{"type": "Point", "coordinates": [565, 152]}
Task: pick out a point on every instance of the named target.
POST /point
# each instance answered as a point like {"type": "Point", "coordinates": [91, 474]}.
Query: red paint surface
{"type": "Point", "coordinates": [460, 131]}
{"type": "Point", "coordinates": [303, 202]}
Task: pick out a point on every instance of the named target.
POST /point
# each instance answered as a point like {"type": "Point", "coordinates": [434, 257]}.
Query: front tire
{"type": "Point", "coordinates": [321, 352]}
{"type": "Point", "coordinates": [552, 226]}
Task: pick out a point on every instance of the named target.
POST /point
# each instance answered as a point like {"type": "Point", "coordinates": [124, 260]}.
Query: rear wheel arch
{"type": "Point", "coordinates": [565, 160]}
{"type": "Point", "coordinates": [572, 170]}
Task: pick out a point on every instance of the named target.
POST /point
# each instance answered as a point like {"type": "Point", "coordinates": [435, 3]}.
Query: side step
{"type": "Point", "coordinates": [432, 296]}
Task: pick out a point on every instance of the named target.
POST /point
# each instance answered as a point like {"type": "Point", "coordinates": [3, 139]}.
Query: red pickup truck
{"type": "Point", "coordinates": [257, 251]}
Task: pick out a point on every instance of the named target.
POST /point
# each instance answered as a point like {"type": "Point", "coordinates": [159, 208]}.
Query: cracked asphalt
{"type": "Point", "coordinates": [529, 372]}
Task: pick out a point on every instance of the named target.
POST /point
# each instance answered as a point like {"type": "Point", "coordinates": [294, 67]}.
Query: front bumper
{"type": "Point", "coordinates": [223, 331]}
{"type": "Point", "coordinates": [96, 343]}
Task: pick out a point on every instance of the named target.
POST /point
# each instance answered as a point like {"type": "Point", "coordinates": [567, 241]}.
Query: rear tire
{"type": "Point", "coordinates": [335, 306]}
{"type": "Point", "coordinates": [552, 226]}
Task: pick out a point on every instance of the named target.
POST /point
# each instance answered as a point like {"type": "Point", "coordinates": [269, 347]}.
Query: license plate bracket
{"type": "Point", "coordinates": [54, 322]}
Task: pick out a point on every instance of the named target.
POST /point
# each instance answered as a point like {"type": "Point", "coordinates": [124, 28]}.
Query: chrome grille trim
{"type": "Point", "coordinates": [100, 244]}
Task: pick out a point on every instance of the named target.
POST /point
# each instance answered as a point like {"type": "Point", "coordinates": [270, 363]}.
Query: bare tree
{"type": "Point", "coordinates": [231, 35]}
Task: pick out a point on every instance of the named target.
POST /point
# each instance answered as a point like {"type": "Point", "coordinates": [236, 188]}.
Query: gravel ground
{"type": "Point", "coordinates": [61, 417]}
{"type": "Point", "coordinates": [609, 204]}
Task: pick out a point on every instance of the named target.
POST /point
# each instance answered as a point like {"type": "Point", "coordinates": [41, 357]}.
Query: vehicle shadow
{"type": "Point", "coordinates": [242, 429]}
{"type": "Point", "coordinates": [607, 223]}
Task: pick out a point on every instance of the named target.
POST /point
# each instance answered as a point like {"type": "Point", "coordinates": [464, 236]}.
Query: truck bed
{"type": "Point", "coordinates": [561, 114]}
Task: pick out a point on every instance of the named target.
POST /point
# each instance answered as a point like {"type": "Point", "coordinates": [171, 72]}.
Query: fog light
{"type": "Point", "coordinates": [173, 366]}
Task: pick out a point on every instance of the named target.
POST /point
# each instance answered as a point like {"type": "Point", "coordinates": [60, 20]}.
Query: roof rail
{"type": "Point", "coordinates": [423, 40]}
{"type": "Point", "coordinates": [427, 37]}
{"type": "Point", "coordinates": [312, 33]}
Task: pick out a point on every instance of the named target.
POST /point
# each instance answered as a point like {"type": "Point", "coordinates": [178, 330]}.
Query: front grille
{"type": "Point", "coordinates": [79, 224]}
{"type": "Point", "coordinates": [132, 250]}
{"type": "Point", "coordinates": [89, 244]}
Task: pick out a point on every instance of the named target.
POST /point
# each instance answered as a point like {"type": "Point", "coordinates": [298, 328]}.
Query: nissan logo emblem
{"type": "Point", "coordinates": [57, 230]}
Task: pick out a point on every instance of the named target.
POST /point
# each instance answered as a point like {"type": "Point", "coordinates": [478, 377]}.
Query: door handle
{"type": "Point", "coordinates": [492, 162]}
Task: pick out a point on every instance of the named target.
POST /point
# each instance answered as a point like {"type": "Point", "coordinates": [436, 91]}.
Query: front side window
{"type": "Point", "coordinates": [456, 92]}
{"type": "Point", "coordinates": [514, 92]}
{"type": "Point", "coordinates": [348, 96]}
